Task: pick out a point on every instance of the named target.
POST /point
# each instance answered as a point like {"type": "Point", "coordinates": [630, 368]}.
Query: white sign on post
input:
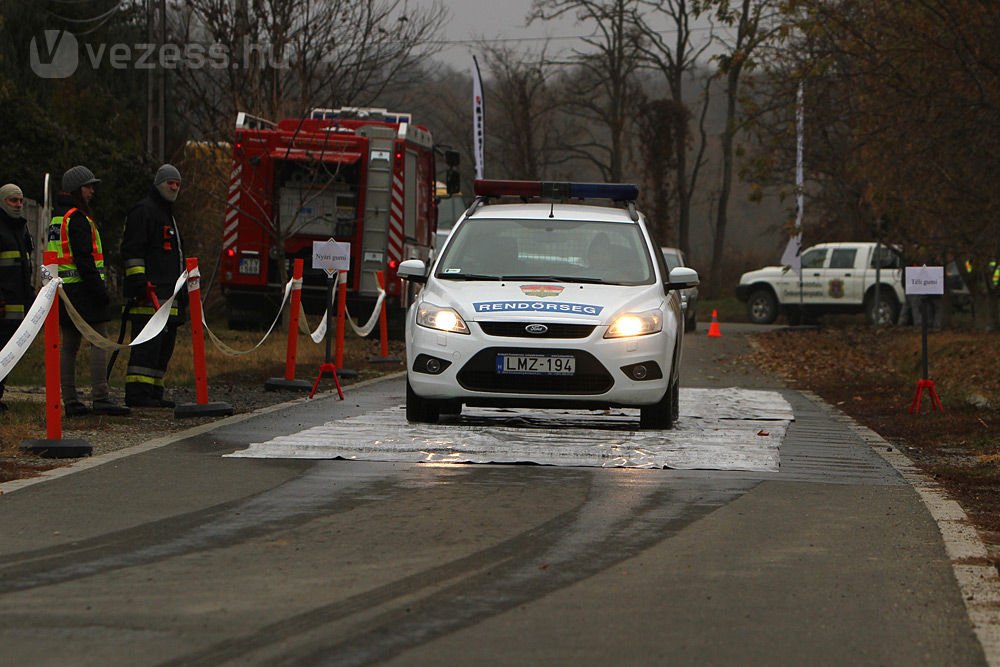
{"type": "Point", "coordinates": [924, 280]}
{"type": "Point", "coordinates": [331, 256]}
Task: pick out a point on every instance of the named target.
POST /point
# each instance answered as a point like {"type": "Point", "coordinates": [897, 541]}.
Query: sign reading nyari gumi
{"type": "Point", "coordinates": [331, 256]}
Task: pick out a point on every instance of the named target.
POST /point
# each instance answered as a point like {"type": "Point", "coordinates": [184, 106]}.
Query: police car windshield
{"type": "Point", "coordinates": [547, 250]}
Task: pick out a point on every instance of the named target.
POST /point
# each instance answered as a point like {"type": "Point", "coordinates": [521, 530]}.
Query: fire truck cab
{"type": "Point", "coordinates": [359, 175]}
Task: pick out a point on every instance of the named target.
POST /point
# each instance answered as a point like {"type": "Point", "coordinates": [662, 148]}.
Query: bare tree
{"type": "Point", "coordinates": [601, 87]}
{"type": "Point", "coordinates": [278, 58]}
{"type": "Point", "coordinates": [657, 122]}
{"type": "Point", "coordinates": [752, 22]}
{"type": "Point", "coordinates": [523, 103]}
{"type": "Point", "coordinates": [674, 54]}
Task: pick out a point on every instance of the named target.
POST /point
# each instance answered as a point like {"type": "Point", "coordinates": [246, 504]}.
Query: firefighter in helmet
{"type": "Point", "coordinates": [151, 250]}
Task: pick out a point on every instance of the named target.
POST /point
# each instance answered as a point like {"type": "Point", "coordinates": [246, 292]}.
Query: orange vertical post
{"type": "Point", "coordinates": [54, 446]}
{"type": "Point", "coordinates": [53, 390]}
{"type": "Point", "coordinates": [197, 331]}
{"type": "Point", "coordinates": [289, 381]}
{"type": "Point", "coordinates": [383, 328]}
{"type": "Point", "coordinates": [293, 321]}
{"type": "Point", "coordinates": [202, 408]}
{"type": "Point", "coordinates": [383, 325]}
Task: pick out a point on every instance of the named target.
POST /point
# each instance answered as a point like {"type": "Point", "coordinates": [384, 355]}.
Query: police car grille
{"type": "Point", "coordinates": [480, 374]}
{"type": "Point", "coordinates": [517, 330]}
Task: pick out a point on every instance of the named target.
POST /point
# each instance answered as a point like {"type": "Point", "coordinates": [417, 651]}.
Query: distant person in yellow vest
{"type": "Point", "coordinates": [74, 236]}
{"type": "Point", "coordinates": [154, 260]}
{"type": "Point", "coordinates": [16, 292]}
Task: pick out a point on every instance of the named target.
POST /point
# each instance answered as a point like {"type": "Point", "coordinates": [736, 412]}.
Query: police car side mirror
{"type": "Point", "coordinates": [682, 277]}
{"type": "Point", "coordinates": [413, 269]}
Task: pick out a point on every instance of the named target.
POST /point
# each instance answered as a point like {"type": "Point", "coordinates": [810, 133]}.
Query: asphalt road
{"type": "Point", "coordinates": [177, 556]}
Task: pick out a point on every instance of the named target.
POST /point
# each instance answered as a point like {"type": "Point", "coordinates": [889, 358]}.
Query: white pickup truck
{"type": "Point", "coordinates": [836, 278]}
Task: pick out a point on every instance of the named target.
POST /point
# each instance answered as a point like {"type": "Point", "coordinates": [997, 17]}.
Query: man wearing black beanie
{"type": "Point", "coordinates": [154, 260]}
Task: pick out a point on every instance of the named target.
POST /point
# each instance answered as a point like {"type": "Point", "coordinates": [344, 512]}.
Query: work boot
{"type": "Point", "coordinates": [76, 409]}
{"type": "Point", "coordinates": [3, 407]}
{"type": "Point", "coordinates": [105, 406]}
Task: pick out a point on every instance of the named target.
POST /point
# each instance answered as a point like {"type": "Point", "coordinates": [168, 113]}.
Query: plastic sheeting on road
{"type": "Point", "coordinates": [719, 429]}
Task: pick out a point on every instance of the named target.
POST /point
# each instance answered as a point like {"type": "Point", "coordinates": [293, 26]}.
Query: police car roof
{"type": "Point", "coordinates": [554, 212]}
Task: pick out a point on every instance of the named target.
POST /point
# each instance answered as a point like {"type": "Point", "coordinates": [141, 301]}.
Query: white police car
{"type": "Point", "coordinates": [546, 304]}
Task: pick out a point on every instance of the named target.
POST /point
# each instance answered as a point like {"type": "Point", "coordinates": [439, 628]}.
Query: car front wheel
{"type": "Point", "coordinates": [762, 306]}
{"type": "Point", "coordinates": [663, 414]}
{"type": "Point", "coordinates": [421, 410]}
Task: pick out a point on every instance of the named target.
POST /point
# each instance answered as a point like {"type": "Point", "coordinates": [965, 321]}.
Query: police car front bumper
{"type": "Point", "coordinates": [482, 369]}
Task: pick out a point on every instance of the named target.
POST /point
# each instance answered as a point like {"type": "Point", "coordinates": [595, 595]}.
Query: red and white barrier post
{"type": "Point", "coordinates": [53, 446]}
{"type": "Point", "coordinates": [202, 408]}
{"type": "Point", "coordinates": [289, 381]}
{"type": "Point", "coordinates": [383, 328]}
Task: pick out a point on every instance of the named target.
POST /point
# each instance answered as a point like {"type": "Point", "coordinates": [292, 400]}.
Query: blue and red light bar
{"type": "Point", "coordinates": [557, 190]}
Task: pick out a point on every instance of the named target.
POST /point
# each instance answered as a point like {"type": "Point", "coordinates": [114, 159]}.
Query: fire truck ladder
{"type": "Point", "coordinates": [376, 246]}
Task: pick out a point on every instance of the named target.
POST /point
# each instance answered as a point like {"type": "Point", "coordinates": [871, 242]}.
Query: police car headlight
{"type": "Point", "coordinates": [635, 324]}
{"type": "Point", "coordinates": [442, 319]}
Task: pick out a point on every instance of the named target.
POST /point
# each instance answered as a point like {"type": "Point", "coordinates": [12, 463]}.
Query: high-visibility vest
{"type": "Point", "coordinates": [59, 244]}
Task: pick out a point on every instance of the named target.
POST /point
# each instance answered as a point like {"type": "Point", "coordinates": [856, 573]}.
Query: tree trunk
{"type": "Point", "coordinates": [721, 219]}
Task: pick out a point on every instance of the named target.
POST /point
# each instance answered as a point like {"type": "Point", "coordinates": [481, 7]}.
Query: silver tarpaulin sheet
{"type": "Point", "coordinates": [719, 429]}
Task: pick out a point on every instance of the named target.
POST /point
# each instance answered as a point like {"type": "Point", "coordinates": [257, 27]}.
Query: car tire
{"type": "Point", "coordinates": [690, 321]}
{"type": "Point", "coordinates": [762, 306]}
{"type": "Point", "coordinates": [421, 410]}
{"type": "Point", "coordinates": [662, 414]}
{"type": "Point", "coordinates": [886, 311]}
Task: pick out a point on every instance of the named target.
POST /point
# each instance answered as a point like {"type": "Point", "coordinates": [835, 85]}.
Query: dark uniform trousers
{"type": "Point", "coordinates": [7, 330]}
{"type": "Point", "coordinates": [147, 363]}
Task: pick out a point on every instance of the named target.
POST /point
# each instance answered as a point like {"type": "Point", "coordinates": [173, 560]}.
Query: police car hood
{"type": "Point", "coordinates": [555, 302]}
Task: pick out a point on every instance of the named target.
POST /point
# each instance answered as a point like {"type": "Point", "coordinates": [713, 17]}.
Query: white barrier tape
{"type": "Point", "coordinates": [152, 329]}
{"type": "Point", "coordinates": [372, 321]}
{"type": "Point", "coordinates": [320, 332]}
{"type": "Point", "coordinates": [225, 349]}
{"type": "Point", "coordinates": [159, 319]}
{"type": "Point", "coordinates": [32, 323]}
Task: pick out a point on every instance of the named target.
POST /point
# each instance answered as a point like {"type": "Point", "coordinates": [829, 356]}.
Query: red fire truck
{"type": "Point", "coordinates": [360, 175]}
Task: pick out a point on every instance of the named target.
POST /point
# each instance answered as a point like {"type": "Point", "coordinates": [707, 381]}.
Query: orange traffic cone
{"type": "Point", "coordinates": [713, 328]}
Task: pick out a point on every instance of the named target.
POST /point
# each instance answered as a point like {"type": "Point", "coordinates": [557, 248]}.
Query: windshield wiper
{"type": "Point", "coordinates": [468, 276]}
{"type": "Point", "coordinates": [558, 279]}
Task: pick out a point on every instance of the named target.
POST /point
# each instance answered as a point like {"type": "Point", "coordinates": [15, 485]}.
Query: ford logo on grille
{"type": "Point", "coordinates": [537, 329]}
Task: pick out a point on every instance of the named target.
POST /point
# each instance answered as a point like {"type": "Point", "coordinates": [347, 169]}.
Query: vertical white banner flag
{"type": "Point", "coordinates": [478, 119]}
{"type": "Point", "coordinates": [793, 251]}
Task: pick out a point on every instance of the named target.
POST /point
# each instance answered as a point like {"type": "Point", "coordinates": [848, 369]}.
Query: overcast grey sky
{"type": "Point", "coordinates": [498, 19]}
{"type": "Point", "coordinates": [505, 20]}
